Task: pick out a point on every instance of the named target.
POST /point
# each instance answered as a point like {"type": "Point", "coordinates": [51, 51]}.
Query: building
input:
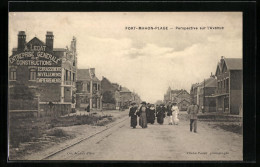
{"type": "Point", "coordinates": [229, 92]}
{"type": "Point", "coordinates": [88, 89]}
{"type": "Point", "coordinates": [181, 97]}
{"type": "Point", "coordinates": [109, 93]}
{"type": "Point", "coordinates": [125, 97]}
{"type": "Point", "coordinates": [45, 75]}
{"type": "Point", "coordinates": [206, 98]}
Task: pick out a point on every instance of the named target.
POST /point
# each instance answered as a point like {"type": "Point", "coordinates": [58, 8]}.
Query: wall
{"type": "Point", "coordinates": [235, 101]}
{"type": "Point", "coordinates": [55, 110]}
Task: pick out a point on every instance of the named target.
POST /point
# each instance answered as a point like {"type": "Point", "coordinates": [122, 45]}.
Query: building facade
{"type": "Point", "coordinates": [229, 92]}
{"type": "Point", "coordinates": [48, 74]}
{"type": "Point", "coordinates": [88, 90]}
{"type": "Point", "coordinates": [181, 97]}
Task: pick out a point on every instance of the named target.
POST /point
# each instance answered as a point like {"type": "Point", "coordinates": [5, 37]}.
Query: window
{"type": "Point", "coordinates": [13, 74]}
{"type": "Point", "coordinates": [66, 74]}
{"type": "Point", "coordinates": [32, 74]}
{"type": "Point", "coordinates": [73, 77]}
{"type": "Point", "coordinates": [88, 87]}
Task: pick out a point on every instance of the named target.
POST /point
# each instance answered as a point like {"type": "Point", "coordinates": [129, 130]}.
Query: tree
{"type": "Point", "coordinates": [108, 97]}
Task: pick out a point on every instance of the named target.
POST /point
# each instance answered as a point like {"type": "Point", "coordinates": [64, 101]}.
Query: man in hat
{"type": "Point", "coordinates": [143, 115]}
{"type": "Point", "coordinates": [132, 114]}
{"type": "Point", "coordinates": [193, 110]}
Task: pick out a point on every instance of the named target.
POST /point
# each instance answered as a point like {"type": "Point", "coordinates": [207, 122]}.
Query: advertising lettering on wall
{"type": "Point", "coordinates": [48, 66]}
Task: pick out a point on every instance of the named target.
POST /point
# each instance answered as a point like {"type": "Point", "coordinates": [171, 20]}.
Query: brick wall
{"type": "Point", "coordinates": [50, 92]}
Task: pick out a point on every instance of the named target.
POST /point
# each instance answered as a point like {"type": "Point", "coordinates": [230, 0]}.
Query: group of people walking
{"type": "Point", "coordinates": [147, 113]}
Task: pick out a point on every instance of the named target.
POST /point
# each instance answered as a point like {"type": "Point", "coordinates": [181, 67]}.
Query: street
{"type": "Point", "coordinates": [157, 142]}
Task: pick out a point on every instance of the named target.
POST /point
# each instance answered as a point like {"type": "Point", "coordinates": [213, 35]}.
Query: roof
{"type": "Point", "coordinates": [124, 89]}
{"type": "Point", "coordinates": [175, 91]}
{"type": "Point", "coordinates": [209, 82]}
{"type": "Point", "coordinates": [231, 63]}
{"type": "Point", "coordinates": [59, 49]}
{"type": "Point", "coordinates": [83, 74]}
{"type": "Point", "coordinates": [35, 39]}
{"type": "Point", "coordinates": [184, 100]}
{"type": "Point", "coordinates": [234, 63]}
{"type": "Point", "coordinates": [183, 90]}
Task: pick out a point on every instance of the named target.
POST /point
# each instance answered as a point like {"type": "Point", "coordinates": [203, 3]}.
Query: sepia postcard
{"type": "Point", "coordinates": [141, 86]}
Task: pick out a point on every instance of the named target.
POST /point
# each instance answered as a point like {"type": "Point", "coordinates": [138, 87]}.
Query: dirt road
{"type": "Point", "coordinates": [157, 142]}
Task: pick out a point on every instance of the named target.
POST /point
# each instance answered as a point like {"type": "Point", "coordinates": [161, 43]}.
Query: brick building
{"type": "Point", "coordinates": [88, 89]}
{"type": "Point", "coordinates": [205, 94]}
{"type": "Point", "coordinates": [48, 74]}
{"type": "Point", "coordinates": [229, 92]}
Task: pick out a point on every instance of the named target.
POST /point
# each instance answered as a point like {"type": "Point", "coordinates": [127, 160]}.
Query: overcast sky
{"type": "Point", "coordinates": [146, 61]}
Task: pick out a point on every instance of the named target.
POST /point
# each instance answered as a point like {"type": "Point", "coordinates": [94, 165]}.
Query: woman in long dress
{"type": "Point", "coordinates": [175, 112]}
{"type": "Point", "coordinates": [132, 114]}
{"type": "Point", "coordinates": [143, 115]}
{"type": "Point", "coordinates": [160, 114]}
{"type": "Point", "coordinates": [151, 114]}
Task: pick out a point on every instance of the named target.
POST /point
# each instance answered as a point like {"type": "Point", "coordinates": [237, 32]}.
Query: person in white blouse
{"type": "Point", "coordinates": [175, 112]}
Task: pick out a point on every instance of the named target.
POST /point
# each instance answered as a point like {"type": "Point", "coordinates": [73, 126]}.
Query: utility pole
{"type": "Point", "coordinates": [203, 98]}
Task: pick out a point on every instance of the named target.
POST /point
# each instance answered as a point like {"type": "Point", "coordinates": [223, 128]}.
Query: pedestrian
{"type": "Point", "coordinates": [169, 114]}
{"type": "Point", "coordinates": [175, 113]}
{"type": "Point", "coordinates": [160, 114]}
{"type": "Point", "coordinates": [88, 108]}
{"type": "Point", "coordinates": [132, 114]}
{"type": "Point", "coordinates": [151, 114]}
{"type": "Point", "coordinates": [142, 113]}
{"type": "Point", "coordinates": [193, 110]}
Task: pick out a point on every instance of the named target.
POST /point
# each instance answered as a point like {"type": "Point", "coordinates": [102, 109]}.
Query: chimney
{"type": "Point", "coordinates": [49, 40]}
{"type": "Point", "coordinates": [92, 70]}
{"type": "Point", "coordinates": [21, 40]}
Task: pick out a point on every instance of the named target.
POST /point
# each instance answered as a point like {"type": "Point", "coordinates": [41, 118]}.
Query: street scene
{"type": "Point", "coordinates": [125, 86]}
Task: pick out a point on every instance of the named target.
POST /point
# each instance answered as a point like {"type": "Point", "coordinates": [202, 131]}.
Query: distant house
{"type": "Point", "coordinates": [125, 97]}
{"type": "Point", "coordinates": [183, 105]}
{"type": "Point", "coordinates": [88, 89]}
{"type": "Point", "coordinates": [109, 93]}
{"type": "Point", "coordinates": [177, 95]}
{"type": "Point", "coordinates": [229, 93]}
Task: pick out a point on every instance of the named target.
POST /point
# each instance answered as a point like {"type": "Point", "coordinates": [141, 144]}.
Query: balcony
{"type": "Point", "coordinates": [222, 91]}
{"type": "Point", "coordinates": [69, 83]}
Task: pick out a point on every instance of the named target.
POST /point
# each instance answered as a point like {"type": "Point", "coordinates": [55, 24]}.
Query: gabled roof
{"type": "Point", "coordinates": [184, 100]}
{"type": "Point", "coordinates": [181, 92]}
{"type": "Point", "coordinates": [36, 40]}
{"type": "Point", "coordinates": [233, 63]}
{"type": "Point", "coordinates": [84, 74]}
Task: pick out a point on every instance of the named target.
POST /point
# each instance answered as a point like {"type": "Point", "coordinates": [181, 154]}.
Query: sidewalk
{"type": "Point", "coordinates": [80, 132]}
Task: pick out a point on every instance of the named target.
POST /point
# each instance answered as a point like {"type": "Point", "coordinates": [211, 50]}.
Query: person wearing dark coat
{"type": "Point", "coordinates": [151, 114]}
{"type": "Point", "coordinates": [133, 115]}
{"type": "Point", "coordinates": [160, 114]}
{"type": "Point", "coordinates": [142, 113]}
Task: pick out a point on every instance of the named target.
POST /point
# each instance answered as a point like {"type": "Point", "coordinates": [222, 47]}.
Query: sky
{"type": "Point", "coordinates": [145, 61]}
